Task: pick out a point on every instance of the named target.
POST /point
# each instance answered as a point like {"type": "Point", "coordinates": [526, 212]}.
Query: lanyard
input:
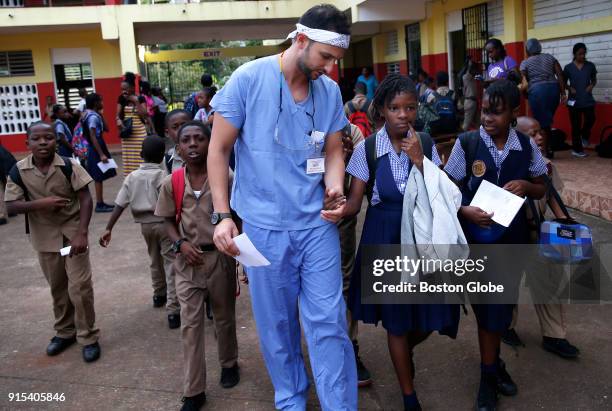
{"type": "Point", "coordinates": [280, 96]}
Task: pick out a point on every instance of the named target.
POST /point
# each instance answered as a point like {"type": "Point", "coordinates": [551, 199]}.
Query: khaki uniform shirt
{"type": "Point", "coordinates": [48, 228]}
{"type": "Point", "coordinates": [195, 223]}
{"type": "Point", "coordinates": [140, 190]}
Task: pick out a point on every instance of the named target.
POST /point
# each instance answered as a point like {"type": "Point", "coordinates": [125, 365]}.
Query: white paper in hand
{"type": "Point", "coordinates": [65, 251]}
{"type": "Point", "coordinates": [502, 203]}
{"type": "Point", "coordinates": [104, 167]}
{"type": "Point", "coordinates": [249, 255]}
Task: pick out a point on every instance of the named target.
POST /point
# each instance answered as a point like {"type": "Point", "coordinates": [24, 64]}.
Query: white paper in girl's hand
{"type": "Point", "coordinates": [249, 255]}
{"type": "Point", "coordinates": [502, 203]}
{"type": "Point", "coordinates": [65, 251]}
{"type": "Point", "coordinates": [104, 167]}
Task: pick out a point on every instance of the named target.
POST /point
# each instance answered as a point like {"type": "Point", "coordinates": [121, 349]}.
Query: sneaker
{"type": "Point", "coordinates": [363, 375]}
{"type": "Point", "coordinates": [505, 385]}
{"type": "Point", "coordinates": [560, 346]}
{"type": "Point", "coordinates": [579, 154]}
{"type": "Point", "coordinates": [174, 321]}
{"type": "Point", "coordinates": [159, 301]}
{"type": "Point", "coordinates": [230, 376]}
{"type": "Point", "coordinates": [104, 208]}
{"type": "Point", "coordinates": [91, 352]}
{"type": "Point", "coordinates": [585, 142]}
{"type": "Point", "coordinates": [511, 338]}
{"type": "Point", "coordinates": [193, 403]}
{"type": "Point", "coordinates": [58, 344]}
{"type": "Point", "coordinates": [487, 393]}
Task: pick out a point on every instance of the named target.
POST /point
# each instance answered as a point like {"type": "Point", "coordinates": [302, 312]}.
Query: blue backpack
{"type": "Point", "coordinates": [444, 107]}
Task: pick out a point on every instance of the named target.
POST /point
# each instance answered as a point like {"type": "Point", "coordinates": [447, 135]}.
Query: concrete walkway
{"type": "Point", "coordinates": [141, 363]}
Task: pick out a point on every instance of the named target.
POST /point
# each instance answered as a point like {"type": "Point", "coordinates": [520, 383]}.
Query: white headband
{"type": "Point", "coordinates": [322, 36]}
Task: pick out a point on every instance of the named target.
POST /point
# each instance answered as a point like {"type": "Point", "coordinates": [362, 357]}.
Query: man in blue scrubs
{"type": "Point", "coordinates": [285, 117]}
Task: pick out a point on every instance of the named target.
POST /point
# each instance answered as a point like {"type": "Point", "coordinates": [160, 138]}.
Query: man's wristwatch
{"type": "Point", "coordinates": [176, 246]}
{"type": "Point", "coordinates": [215, 218]}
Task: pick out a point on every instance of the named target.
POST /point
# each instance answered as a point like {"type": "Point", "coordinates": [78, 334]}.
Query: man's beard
{"type": "Point", "coordinates": [304, 68]}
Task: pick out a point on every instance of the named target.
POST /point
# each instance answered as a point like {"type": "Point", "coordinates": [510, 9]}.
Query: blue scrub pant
{"type": "Point", "coordinates": [303, 283]}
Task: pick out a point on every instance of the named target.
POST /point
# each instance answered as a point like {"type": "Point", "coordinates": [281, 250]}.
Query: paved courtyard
{"type": "Point", "coordinates": [141, 363]}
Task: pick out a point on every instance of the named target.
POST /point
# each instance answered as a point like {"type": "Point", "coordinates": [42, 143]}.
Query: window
{"type": "Point", "coordinates": [413, 46]}
{"type": "Point", "coordinates": [393, 68]}
{"type": "Point", "coordinates": [18, 108]}
{"type": "Point", "coordinates": [69, 78]}
{"type": "Point", "coordinates": [16, 63]}
{"type": "Point", "coordinates": [392, 43]}
{"type": "Point", "coordinates": [11, 3]}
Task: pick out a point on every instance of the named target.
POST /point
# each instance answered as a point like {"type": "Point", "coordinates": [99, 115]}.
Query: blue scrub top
{"type": "Point", "coordinates": [271, 189]}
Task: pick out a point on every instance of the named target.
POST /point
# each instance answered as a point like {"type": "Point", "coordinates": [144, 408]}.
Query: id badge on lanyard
{"type": "Point", "coordinates": [315, 164]}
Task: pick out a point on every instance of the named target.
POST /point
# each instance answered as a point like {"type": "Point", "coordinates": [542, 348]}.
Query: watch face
{"type": "Point", "coordinates": [214, 218]}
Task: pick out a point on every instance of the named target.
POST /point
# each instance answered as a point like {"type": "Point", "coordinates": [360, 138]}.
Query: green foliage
{"type": "Point", "coordinates": [179, 79]}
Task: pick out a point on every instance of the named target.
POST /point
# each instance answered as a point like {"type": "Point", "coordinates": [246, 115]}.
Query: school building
{"type": "Point", "coordinates": [51, 48]}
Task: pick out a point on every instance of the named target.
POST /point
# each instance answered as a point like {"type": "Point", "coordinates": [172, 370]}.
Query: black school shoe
{"type": "Point", "coordinates": [193, 403]}
{"type": "Point", "coordinates": [230, 376]}
{"type": "Point", "coordinates": [159, 301]}
{"type": "Point", "coordinates": [58, 344]}
{"type": "Point", "coordinates": [174, 321]}
{"type": "Point", "coordinates": [561, 347]}
{"type": "Point", "coordinates": [487, 393]}
{"type": "Point", "coordinates": [511, 338]}
{"type": "Point", "coordinates": [104, 208]}
{"type": "Point", "coordinates": [363, 375]}
{"type": "Point", "coordinates": [3, 221]}
{"type": "Point", "coordinates": [91, 352]}
{"type": "Point", "coordinates": [505, 385]}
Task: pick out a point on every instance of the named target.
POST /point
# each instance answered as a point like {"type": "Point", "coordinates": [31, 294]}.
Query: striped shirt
{"type": "Point", "coordinates": [539, 69]}
{"type": "Point", "coordinates": [455, 167]}
{"type": "Point", "coordinates": [400, 163]}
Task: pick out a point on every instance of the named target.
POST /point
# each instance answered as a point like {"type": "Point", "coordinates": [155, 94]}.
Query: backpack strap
{"type": "Point", "coordinates": [469, 143]}
{"type": "Point", "coordinates": [351, 107]}
{"type": "Point", "coordinates": [372, 161]}
{"type": "Point", "coordinates": [67, 169]}
{"type": "Point", "coordinates": [178, 191]}
{"type": "Point", "coordinates": [366, 106]}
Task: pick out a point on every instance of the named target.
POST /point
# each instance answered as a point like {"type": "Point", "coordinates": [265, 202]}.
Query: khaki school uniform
{"type": "Point", "coordinates": [214, 278]}
{"type": "Point", "coordinates": [52, 229]}
{"type": "Point", "coordinates": [550, 316]}
{"type": "Point", "coordinates": [140, 191]}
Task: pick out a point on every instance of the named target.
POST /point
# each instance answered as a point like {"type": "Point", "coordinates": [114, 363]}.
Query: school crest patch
{"type": "Point", "coordinates": [479, 168]}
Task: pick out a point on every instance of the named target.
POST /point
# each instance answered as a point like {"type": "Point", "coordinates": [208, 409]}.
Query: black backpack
{"type": "Point", "coordinates": [7, 161]}
{"type": "Point", "coordinates": [15, 176]}
{"type": "Point", "coordinates": [372, 160]}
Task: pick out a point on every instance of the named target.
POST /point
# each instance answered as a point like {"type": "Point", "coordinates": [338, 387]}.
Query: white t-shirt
{"type": "Point", "coordinates": [202, 115]}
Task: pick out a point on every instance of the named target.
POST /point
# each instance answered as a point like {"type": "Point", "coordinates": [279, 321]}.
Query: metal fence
{"type": "Point", "coordinates": [177, 79]}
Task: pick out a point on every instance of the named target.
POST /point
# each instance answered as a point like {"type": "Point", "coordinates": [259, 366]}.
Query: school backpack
{"type": "Point", "coordinates": [15, 176]}
{"type": "Point", "coordinates": [444, 107]}
{"type": "Point", "coordinates": [79, 142]}
{"type": "Point", "coordinates": [360, 117]}
{"type": "Point", "coordinates": [372, 161]}
{"type": "Point", "coordinates": [604, 148]}
{"type": "Point", "coordinates": [7, 161]}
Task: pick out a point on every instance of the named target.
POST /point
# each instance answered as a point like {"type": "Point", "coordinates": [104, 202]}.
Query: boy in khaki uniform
{"type": "Point", "coordinates": [551, 316]}
{"type": "Point", "coordinates": [140, 191]}
{"type": "Point", "coordinates": [201, 271]}
{"type": "Point", "coordinates": [53, 192]}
